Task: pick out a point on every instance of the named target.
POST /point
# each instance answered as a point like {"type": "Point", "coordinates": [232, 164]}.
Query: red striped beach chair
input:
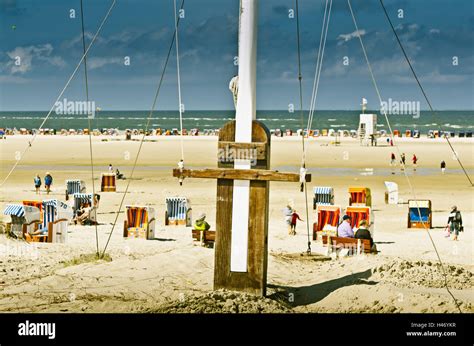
{"type": "Point", "coordinates": [140, 222]}
{"type": "Point", "coordinates": [359, 213]}
{"type": "Point", "coordinates": [360, 196]}
{"type": "Point", "coordinates": [327, 219]}
{"type": "Point", "coordinates": [108, 182]}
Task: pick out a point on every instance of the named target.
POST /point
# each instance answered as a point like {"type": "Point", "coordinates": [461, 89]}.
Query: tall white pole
{"type": "Point", "coordinates": [245, 114]}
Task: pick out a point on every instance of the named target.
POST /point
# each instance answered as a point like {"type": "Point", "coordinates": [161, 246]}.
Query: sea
{"type": "Point", "coordinates": [453, 121]}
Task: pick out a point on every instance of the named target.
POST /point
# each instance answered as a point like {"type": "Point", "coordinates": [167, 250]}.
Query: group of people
{"type": "Point", "coordinates": [48, 181]}
{"type": "Point", "coordinates": [117, 172]}
{"type": "Point", "coordinates": [393, 161]}
{"type": "Point", "coordinates": [344, 230]}
{"type": "Point", "coordinates": [291, 217]}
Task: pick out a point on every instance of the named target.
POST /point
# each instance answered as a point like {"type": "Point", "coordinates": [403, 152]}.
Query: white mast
{"type": "Point", "coordinates": [245, 114]}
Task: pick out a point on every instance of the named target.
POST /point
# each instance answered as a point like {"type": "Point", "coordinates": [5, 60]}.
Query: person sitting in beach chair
{"type": "Point", "coordinates": [201, 223]}
{"type": "Point", "coordinates": [83, 215]}
{"type": "Point", "coordinates": [364, 233]}
{"type": "Point", "coordinates": [345, 230]}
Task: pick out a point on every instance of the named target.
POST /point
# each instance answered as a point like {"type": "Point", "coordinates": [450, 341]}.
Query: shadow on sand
{"type": "Point", "coordinates": [306, 295]}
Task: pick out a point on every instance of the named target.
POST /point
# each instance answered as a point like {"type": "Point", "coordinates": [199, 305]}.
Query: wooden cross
{"type": "Point", "coordinates": [243, 177]}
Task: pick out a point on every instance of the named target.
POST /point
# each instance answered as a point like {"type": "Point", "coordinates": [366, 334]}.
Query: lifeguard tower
{"type": "Point", "coordinates": [367, 130]}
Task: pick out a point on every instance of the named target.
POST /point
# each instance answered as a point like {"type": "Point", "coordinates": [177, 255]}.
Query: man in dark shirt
{"type": "Point", "coordinates": [364, 233]}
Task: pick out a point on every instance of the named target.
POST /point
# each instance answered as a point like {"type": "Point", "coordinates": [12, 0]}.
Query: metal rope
{"type": "Point", "coordinates": [398, 150]}
{"type": "Point", "coordinates": [319, 64]}
{"type": "Point", "coordinates": [303, 163]}
{"type": "Point", "coordinates": [146, 129]}
{"type": "Point", "coordinates": [178, 75]}
{"type": "Point", "coordinates": [61, 93]}
{"type": "Point", "coordinates": [422, 89]}
{"type": "Point", "coordinates": [89, 126]}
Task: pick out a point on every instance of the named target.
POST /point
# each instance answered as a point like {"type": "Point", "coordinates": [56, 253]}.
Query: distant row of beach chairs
{"type": "Point", "coordinates": [214, 132]}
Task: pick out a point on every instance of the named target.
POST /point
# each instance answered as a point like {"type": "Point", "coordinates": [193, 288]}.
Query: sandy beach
{"type": "Point", "coordinates": [174, 274]}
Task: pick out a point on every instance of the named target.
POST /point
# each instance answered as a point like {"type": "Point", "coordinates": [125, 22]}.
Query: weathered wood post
{"type": "Point", "coordinates": [243, 178]}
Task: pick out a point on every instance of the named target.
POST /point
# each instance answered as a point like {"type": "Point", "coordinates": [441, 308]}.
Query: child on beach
{"type": "Point", "coordinates": [443, 167]}
{"type": "Point", "coordinates": [414, 160]}
{"type": "Point", "coordinates": [402, 161]}
{"type": "Point", "coordinates": [37, 184]}
{"type": "Point", "coordinates": [294, 218]}
{"type": "Point", "coordinates": [48, 181]}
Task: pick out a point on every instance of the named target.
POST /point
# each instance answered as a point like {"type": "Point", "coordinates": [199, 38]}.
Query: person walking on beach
{"type": "Point", "coordinates": [455, 222]}
{"type": "Point", "coordinates": [402, 161]}
{"type": "Point", "coordinates": [392, 159]}
{"type": "Point", "coordinates": [392, 162]}
{"type": "Point", "coordinates": [288, 212]}
{"type": "Point", "coordinates": [294, 218]}
{"type": "Point", "coordinates": [345, 230]}
{"type": "Point", "coordinates": [111, 169]}
{"type": "Point", "coordinates": [443, 166]}
{"type": "Point", "coordinates": [414, 159]}
{"type": "Point", "coordinates": [37, 183]}
{"type": "Point", "coordinates": [48, 181]}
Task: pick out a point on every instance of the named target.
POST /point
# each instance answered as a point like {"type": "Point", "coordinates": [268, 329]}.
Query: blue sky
{"type": "Point", "coordinates": [49, 44]}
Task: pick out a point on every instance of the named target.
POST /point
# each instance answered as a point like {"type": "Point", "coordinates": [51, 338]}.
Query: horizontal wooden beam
{"type": "Point", "coordinates": [229, 151]}
{"type": "Point", "coordinates": [239, 174]}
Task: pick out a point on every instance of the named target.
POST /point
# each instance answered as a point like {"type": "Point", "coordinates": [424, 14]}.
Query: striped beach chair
{"type": "Point", "coordinates": [327, 219]}
{"type": "Point", "coordinates": [419, 213]}
{"type": "Point", "coordinates": [140, 222]}
{"type": "Point", "coordinates": [37, 204]}
{"type": "Point", "coordinates": [82, 200]}
{"type": "Point", "coordinates": [323, 195]}
{"type": "Point", "coordinates": [74, 186]}
{"type": "Point", "coordinates": [23, 219]}
{"type": "Point", "coordinates": [108, 182]}
{"type": "Point", "coordinates": [359, 213]}
{"type": "Point", "coordinates": [56, 217]}
{"type": "Point", "coordinates": [178, 212]}
{"type": "Point", "coordinates": [360, 196]}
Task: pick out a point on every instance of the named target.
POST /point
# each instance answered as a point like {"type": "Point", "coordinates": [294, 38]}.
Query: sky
{"type": "Point", "coordinates": [435, 33]}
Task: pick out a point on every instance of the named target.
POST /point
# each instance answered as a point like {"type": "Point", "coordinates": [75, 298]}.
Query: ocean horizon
{"type": "Point", "coordinates": [453, 121]}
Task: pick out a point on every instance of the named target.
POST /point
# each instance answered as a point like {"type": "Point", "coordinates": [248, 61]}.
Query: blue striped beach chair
{"type": "Point", "coordinates": [178, 212]}
{"type": "Point", "coordinates": [82, 200]}
{"type": "Point", "coordinates": [74, 186]}
{"type": "Point", "coordinates": [56, 217]}
{"type": "Point", "coordinates": [23, 219]}
{"type": "Point", "coordinates": [323, 195]}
